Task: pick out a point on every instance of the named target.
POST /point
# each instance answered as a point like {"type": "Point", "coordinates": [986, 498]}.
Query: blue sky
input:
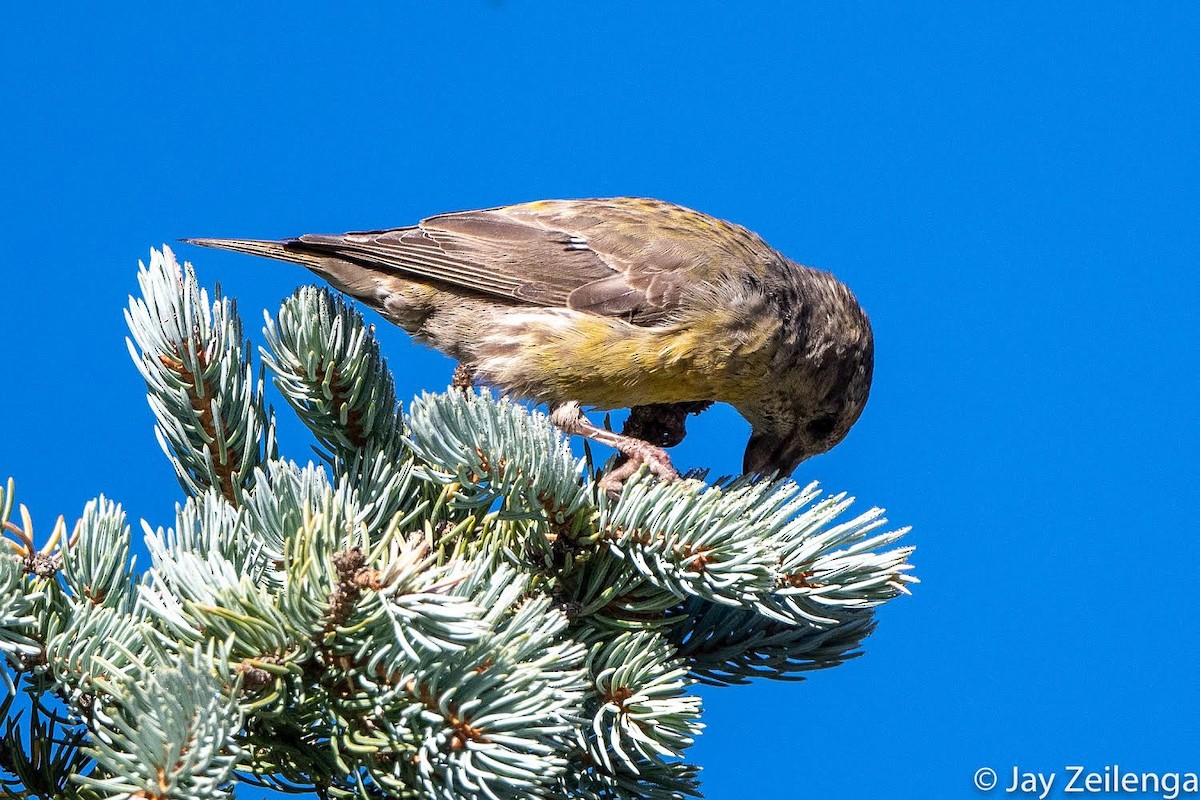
{"type": "Point", "coordinates": [1011, 192]}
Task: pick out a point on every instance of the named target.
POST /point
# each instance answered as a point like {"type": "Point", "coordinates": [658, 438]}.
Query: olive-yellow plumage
{"type": "Point", "coordinates": [610, 303]}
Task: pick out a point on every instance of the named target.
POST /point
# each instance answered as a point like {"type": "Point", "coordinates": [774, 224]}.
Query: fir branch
{"type": "Point", "coordinates": [334, 523]}
{"type": "Point", "coordinates": [387, 485]}
{"type": "Point", "coordinates": [496, 721]}
{"type": "Point", "coordinates": [692, 539]}
{"type": "Point", "coordinates": [97, 567]}
{"type": "Point", "coordinates": [289, 753]}
{"type": "Point", "coordinates": [645, 715]}
{"type": "Point", "coordinates": [608, 592]}
{"type": "Point", "coordinates": [102, 646]}
{"type": "Point", "coordinates": [21, 624]}
{"type": "Point", "coordinates": [18, 622]}
{"type": "Point", "coordinates": [328, 367]}
{"type": "Point", "coordinates": [170, 736]}
{"type": "Point", "coordinates": [724, 646]}
{"type": "Point", "coordinates": [208, 523]}
{"type": "Point", "coordinates": [195, 599]}
{"type": "Point", "coordinates": [761, 545]}
{"type": "Point", "coordinates": [493, 720]}
{"type": "Point", "coordinates": [41, 754]}
{"type": "Point", "coordinates": [412, 616]}
{"type": "Point", "coordinates": [42, 562]}
{"type": "Point", "coordinates": [669, 781]}
{"type": "Point", "coordinates": [211, 421]}
{"type": "Point", "coordinates": [275, 511]}
{"type": "Point", "coordinates": [497, 448]}
{"type": "Point", "coordinates": [824, 567]}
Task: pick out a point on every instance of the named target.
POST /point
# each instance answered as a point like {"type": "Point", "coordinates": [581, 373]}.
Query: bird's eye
{"type": "Point", "coordinates": [820, 427]}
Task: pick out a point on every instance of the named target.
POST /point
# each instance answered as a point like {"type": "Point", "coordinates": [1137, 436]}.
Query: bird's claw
{"type": "Point", "coordinates": [634, 456]}
{"type": "Point", "coordinates": [659, 463]}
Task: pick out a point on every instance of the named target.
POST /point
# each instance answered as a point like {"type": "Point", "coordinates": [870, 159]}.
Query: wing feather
{"type": "Point", "coordinates": [621, 257]}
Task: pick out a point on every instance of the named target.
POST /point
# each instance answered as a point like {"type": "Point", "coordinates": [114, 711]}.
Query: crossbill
{"type": "Point", "coordinates": [616, 303]}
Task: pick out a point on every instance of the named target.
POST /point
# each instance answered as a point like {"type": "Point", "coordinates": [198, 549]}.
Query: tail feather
{"type": "Point", "coordinates": [365, 282]}
{"type": "Point", "coordinates": [282, 250]}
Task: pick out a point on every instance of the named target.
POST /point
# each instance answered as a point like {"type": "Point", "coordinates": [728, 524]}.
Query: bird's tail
{"type": "Point", "coordinates": [362, 281]}
{"type": "Point", "coordinates": [282, 249]}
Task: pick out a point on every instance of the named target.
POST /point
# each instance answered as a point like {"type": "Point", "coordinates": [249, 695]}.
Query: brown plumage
{"type": "Point", "coordinates": [621, 302]}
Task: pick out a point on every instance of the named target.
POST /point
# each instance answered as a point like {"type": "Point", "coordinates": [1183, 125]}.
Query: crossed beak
{"type": "Point", "coordinates": [772, 456]}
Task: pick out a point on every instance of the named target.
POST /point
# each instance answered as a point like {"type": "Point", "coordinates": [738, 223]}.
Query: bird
{"type": "Point", "coordinates": [610, 303]}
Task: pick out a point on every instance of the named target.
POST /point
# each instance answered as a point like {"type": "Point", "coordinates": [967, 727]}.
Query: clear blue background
{"type": "Point", "coordinates": [1012, 192]}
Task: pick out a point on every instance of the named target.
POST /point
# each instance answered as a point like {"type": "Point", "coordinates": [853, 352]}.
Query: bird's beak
{"type": "Point", "coordinates": [768, 455]}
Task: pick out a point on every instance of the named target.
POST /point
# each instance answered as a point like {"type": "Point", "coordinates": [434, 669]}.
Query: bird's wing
{"type": "Point", "coordinates": [620, 257]}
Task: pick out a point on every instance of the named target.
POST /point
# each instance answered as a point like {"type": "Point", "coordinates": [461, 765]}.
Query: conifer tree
{"type": "Point", "coordinates": [442, 606]}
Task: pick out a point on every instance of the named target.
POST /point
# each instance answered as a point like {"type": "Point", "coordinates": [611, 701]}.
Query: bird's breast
{"type": "Point", "coordinates": [558, 355]}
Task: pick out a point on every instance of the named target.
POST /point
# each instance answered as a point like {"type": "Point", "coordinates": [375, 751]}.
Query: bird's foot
{"type": "Point", "coordinates": [634, 454]}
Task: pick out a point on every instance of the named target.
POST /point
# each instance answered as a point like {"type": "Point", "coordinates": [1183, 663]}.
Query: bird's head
{"type": "Point", "coordinates": [811, 402]}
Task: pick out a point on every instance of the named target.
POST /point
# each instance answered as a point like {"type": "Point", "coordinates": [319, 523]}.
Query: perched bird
{"type": "Point", "coordinates": [614, 303]}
